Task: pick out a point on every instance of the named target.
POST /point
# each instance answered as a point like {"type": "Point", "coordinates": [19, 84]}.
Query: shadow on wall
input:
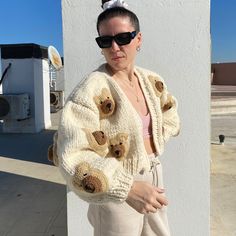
{"type": "Point", "coordinates": [27, 147]}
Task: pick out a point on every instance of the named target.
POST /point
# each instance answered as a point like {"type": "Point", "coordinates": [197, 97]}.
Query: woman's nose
{"type": "Point", "coordinates": [114, 45]}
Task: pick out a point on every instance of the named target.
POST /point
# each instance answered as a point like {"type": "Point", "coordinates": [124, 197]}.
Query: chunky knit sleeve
{"type": "Point", "coordinates": [170, 119]}
{"type": "Point", "coordinates": [82, 158]}
{"type": "Point", "coordinates": [168, 105]}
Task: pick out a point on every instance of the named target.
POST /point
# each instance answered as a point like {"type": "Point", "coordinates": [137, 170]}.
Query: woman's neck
{"type": "Point", "coordinates": [127, 73]}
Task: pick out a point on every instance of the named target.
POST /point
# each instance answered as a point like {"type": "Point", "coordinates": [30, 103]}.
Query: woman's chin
{"type": "Point", "coordinates": [117, 66]}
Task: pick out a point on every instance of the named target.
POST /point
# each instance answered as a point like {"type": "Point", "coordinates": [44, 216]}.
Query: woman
{"type": "Point", "coordinates": [112, 131]}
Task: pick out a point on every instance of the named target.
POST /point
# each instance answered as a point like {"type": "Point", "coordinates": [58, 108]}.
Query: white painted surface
{"type": "Point", "coordinates": [57, 79]}
{"type": "Point", "coordinates": [60, 80]}
{"type": "Point", "coordinates": [42, 93]}
{"type": "Point", "coordinates": [30, 76]}
{"type": "Point", "coordinates": [77, 216]}
{"type": "Point", "coordinates": [176, 44]}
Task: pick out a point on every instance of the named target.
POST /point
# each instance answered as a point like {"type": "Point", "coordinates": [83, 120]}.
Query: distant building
{"type": "Point", "coordinates": [29, 88]}
{"type": "Point", "coordinates": [223, 73]}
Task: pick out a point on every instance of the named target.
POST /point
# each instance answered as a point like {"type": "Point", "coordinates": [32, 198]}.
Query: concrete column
{"type": "Point", "coordinates": [176, 44]}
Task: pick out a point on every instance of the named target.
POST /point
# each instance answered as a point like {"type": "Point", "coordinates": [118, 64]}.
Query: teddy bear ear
{"type": "Point", "coordinates": [150, 77]}
{"type": "Point", "coordinates": [96, 99]}
{"type": "Point", "coordinates": [124, 136]}
{"type": "Point", "coordinates": [105, 92]}
{"type": "Point", "coordinates": [81, 169]}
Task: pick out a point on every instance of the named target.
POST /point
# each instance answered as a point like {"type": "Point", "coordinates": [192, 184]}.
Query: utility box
{"type": "Point", "coordinates": [25, 87]}
{"type": "Point", "coordinates": [14, 107]}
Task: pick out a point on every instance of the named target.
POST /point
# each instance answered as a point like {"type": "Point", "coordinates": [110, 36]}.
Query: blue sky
{"type": "Point", "coordinates": [31, 21]}
{"type": "Point", "coordinates": [40, 21]}
{"type": "Point", "coordinates": [223, 30]}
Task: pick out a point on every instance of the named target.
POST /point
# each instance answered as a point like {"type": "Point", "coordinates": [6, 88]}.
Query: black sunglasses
{"type": "Point", "coordinates": [120, 39]}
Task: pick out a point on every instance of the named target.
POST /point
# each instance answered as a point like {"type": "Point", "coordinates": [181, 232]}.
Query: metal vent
{"type": "Point", "coordinates": [14, 106]}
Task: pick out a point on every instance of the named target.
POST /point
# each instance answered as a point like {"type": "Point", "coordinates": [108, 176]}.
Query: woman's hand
{"type": "Point", "coordinates": [145, 198]}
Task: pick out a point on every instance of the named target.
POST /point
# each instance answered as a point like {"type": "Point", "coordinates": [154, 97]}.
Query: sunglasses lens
{"type": "Point", "coordinates": [120, 39]}
{"type": "Point", "coordinates": [104, 41]}
{"type": "Point", "coordinates": [123, 38]}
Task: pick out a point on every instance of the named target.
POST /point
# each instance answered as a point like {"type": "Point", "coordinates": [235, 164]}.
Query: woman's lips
{"type": "Point", "coordinates": [116, 58]}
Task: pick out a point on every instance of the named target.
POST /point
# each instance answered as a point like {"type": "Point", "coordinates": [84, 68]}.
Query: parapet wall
{"type": "Point", "coordinates": [224, 73]}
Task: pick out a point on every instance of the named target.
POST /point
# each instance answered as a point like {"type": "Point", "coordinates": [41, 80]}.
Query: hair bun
{"type": "Point", "coordinates": [103, 1]}
{"type": "Point", "coordinates": [106, 4]}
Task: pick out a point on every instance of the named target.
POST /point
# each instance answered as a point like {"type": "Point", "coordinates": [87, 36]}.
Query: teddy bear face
{"type": "Point", "coordinates": [118, 150]}
{"type": "Point", "coordinates": [107, 106]}
{"type": "Point", "coordinates": [159, 89]}
{"type": "Point", "coordinates": [91, 184]}
{"type": "Point", "coordinates": [97, 141]}
{"type": "Point", "coordinates": [88, 179]}
{"type": "Point", "coordinates": [167, 106]}
{"type": "Point", "coordinates": [159, 86]}
{"type": "Point", "coordinates": [169, 103]}
{"type": "Point", "coordinates": [100, 137]}
{"type": "Point", "coordinates": [105, 103]}
{"type": "Point", "coordinates": [119, 146]}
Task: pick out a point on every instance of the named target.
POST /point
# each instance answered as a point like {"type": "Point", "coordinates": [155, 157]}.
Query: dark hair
{"type": "Point", "coordinates": [118, 12]}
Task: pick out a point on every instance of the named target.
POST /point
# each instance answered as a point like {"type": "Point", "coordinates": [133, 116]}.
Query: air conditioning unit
{"type": "Point", "coordinates": [56, 100]}
{"type": "Point", "coordinates": [14, 106]}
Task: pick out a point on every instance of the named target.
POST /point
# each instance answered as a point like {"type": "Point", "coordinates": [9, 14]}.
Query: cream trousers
{"type": "Point", "coordinates": [113, 219]}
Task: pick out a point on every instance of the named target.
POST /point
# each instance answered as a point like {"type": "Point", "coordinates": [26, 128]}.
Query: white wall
{"type": "Point", "coordinates": [176, 44]}
{"type": "Point", "coordinates": [42, 93]}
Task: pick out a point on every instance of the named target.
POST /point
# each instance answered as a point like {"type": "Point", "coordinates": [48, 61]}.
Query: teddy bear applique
{"type": "Point", "coordinates": [52, 151]}
{"type": "Point", "coordinates": [170, 102]}
{"type": "Point", "coordinates": [105, 103]}
{"type": "Point", "coordinates": [119, 146]}
{"type": "Point", "coordinates": [166, 100]}
{"type": "Point", "coordinates": [89, 179]}
{"type": "Point", "coordinates": [98, 141]}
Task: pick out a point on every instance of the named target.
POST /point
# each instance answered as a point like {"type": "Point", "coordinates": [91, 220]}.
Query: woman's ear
{"type": "Point", "coordinates": [139, 38]}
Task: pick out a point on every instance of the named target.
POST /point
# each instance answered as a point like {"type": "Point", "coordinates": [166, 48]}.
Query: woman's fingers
{"type": "Point", "coordinates": [152, 209]}
{"type": "Point", "coordinates": [164, 201]}
{"type": "Point", "coordinates": [144, 197]}
{"type": "Point", "coordinates": [156, 200]}
{"type": "Point", "coordinates": [156, 205]}
{"type": "Point", "coordinates": [159, 190]}
{"type": "Point", "coordinates": [160, 197]}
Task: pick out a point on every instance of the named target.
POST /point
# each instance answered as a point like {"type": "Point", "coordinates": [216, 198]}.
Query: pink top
{"type": "Point", "coordinates": [147, 126]}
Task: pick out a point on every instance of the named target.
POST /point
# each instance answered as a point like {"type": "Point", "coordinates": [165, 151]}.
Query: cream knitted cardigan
{"type": "Point", "coordinates": [77, 160]}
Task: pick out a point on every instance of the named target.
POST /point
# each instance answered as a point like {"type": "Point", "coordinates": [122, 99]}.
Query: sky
{"type": "Point", "coordinates": [40, 22]}
{"type": "Point", "coordinates": [223, 30]}
{"type": "Point", "coordinates": [31, 21]}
